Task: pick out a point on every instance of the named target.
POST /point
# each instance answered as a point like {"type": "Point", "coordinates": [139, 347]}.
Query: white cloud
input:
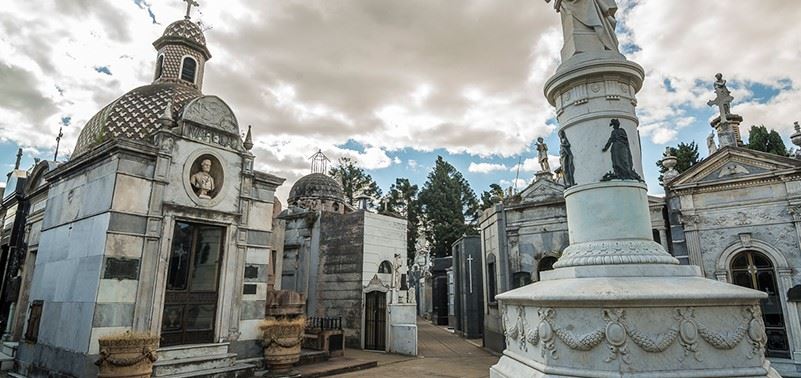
{"type": "Point", "coordinates": [485, 167]}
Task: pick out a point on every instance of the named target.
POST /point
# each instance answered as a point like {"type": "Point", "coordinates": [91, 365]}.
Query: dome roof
{"type": "Point", "coordinates": [134, 115]}
{"type": "Point", "coordinates": [316, 185]}
{"type": "Point", "coordinates": [184, 31]}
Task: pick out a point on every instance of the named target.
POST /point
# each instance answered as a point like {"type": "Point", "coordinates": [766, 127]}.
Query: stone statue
{"type": "Point", "coordinates": [542, 155]}
{"type": "Point", "coordinates": [582, 16]}
{"type": "Point", "coordinates": [622, 164]}
{"type": "Point", "coordinates": [722, 99]}
{"type": "Point", "coordinates": [710, 143]}
{"type": "Point", "coordinates": [566, 159]}
{"type": "Point", "coordinates": [202, 181]}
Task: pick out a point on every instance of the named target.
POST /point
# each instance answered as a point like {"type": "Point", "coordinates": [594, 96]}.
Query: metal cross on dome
{"type": "Point", "coordinates": [189, 4]}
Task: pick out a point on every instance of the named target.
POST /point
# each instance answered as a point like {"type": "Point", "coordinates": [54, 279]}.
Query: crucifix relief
{"type": "Point", "coordinates": [470, 272]}
{"type": "Point", "coordinates": [189, 4]}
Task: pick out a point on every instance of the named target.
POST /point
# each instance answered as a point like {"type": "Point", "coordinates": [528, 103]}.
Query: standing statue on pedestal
{"type": "Point", "coordinates": [622, 164]}
{"type": "Point", "coordinates": [566, 160]}
{"type": "Point", "coordinates": [542, 155]}
{"type": "Point", "coordinates": [723, 98]}
{"type": "Point", "coordinates": [582, 16]}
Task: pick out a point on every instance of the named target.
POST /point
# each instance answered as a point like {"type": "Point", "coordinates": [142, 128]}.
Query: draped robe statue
{"type": "Point", "coordinates": [587, 25]}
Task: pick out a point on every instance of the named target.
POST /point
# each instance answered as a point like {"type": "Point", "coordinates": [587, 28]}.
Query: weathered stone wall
{"type": "Point", "coordinates": [339, 279]}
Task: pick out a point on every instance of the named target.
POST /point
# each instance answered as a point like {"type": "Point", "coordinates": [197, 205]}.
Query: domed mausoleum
{"type": "Point", "coordinates": [317, 191]}
{"type": "Point", "coordinates": [157, 224]}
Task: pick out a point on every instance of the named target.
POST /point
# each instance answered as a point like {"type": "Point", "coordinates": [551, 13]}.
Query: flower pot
{"type": "Point", "coordinates": [127, 355]}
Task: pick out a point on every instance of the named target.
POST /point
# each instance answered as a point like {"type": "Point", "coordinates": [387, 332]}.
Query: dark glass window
{"type": "Point", "coordinates": [491, 283]}
{"type": "Point", "coordinates": [159, 66]}
{"type": "Point", "coordinates": [188, 69]}
{"type": "Point", "coordinates": [754, 270]}
{"type": "Point", "coordinates": [385, 267]}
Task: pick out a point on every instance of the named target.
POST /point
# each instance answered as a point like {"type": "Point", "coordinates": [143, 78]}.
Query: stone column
{"type": "Point", "coordinates": [617, 303]}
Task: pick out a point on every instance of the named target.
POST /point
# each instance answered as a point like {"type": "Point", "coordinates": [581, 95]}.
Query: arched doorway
{"type": "Point", "coordinates": [754, 270]}
{"type": "Point", "coordinates": [375, 320]}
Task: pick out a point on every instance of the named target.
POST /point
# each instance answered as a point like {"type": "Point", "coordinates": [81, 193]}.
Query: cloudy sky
{"type": "Point", "coordinates": [394, 83]}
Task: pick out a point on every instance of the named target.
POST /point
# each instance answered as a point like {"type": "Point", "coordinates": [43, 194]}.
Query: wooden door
{"type": "Point", "coordinates": [375, 313]}
{"type": "Point", "coordinates": [190, 301]}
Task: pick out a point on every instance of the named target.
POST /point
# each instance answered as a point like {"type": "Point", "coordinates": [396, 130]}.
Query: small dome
{"type": "Point", "coordinates": [317, 185]}
{"type": "Point", "coordinates": [184, 31]}
{"type": "Point", "coordinates": [134, 115]}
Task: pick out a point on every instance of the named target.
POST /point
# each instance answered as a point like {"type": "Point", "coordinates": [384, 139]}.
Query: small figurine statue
{"type": "Point", "coordinates": [542, 153]}
{"type": "Point", "coordinates": [710, 143]}
{"type": "Point", "coordinates": [202, 181]}
{"type": "Point", "coordinates": [622, 164]}
{"type": "Point", "coordinates": [566, 160]}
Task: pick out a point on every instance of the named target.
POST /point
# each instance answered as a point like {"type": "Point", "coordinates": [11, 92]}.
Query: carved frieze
{"type": "Point", "coordinates": [212, 136]}
{"type": "Point", "coordinates": [618, 331]}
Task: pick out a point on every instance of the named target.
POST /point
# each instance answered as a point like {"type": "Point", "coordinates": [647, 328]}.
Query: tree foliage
{"type": "Point", "coordinates": [760, 139]}
{"type": "Point", "coordinates": [450, 207]}
{"type": "Point", "coordinates": [494, 195]}
{"type": "Point", "coordinates": [686, 156]}
{"type": "Point", "coordinates": [402, 200]}
{"type": "Point", "coordinates": [355, 181]}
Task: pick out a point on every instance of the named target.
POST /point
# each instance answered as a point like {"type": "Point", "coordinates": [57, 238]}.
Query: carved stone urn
{"type": "Point", "coordinates": [282, 332]}
{"type": "Point", "coordinates": [127, 355]}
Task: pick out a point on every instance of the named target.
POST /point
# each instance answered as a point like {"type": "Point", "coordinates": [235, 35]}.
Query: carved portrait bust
{"type": "Point", "coordinates": [202, 181]}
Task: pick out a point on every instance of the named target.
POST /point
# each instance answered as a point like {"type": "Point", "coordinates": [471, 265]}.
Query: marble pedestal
{"type": "Point", "coordinates": [647, 320]}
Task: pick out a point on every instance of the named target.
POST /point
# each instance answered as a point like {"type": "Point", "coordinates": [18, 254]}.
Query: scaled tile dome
{"type": "Point", "coordinates": [185, 31]}
{"type": "Point", "coordinates": [316, 185]}
{"type": "Point", "coordinates": [134, 115]}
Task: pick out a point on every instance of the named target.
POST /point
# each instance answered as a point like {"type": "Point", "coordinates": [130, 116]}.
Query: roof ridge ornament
{"type": "Point", "coordinates": [189, 4]}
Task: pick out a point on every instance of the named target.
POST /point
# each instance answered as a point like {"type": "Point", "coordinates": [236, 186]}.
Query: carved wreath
{"type": "Point", "coordinates": [618, 331]}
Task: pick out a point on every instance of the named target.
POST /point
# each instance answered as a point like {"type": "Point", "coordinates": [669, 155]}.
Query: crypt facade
{"type": "Point", "coordinates": [157, 224]}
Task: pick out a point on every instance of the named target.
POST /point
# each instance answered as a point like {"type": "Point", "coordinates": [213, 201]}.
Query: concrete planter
{"type": "Point", "coordinates": [282, 331]}
{"type": "Point", "coordinates": [127, 355]}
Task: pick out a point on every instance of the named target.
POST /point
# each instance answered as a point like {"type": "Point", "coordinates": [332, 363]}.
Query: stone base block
{"type": "Point", "coordinates": [633, 321]}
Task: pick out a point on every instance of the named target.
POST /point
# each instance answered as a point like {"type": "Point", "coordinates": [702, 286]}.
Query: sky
{"type": "Point", "coordinates": [393, 84]}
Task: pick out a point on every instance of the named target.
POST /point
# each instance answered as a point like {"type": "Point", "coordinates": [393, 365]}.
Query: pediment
{"type": "Point", "coordinates": [735, 163]}
{"type": "Point", "coordinates": [542, 189]}
{"type": "Point", "coordinates": [211, 111]}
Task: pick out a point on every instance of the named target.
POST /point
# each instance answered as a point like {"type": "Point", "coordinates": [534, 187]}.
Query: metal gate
{"type": "Point", "coordinates": [375, 321]}
{"type": "Point", "coordinates": [190, 301]}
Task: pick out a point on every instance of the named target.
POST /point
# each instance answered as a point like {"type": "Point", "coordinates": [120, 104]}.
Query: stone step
{"type": "Point", "coordinates": [9, 348]}
{"type": "Point", "coordinates": [15, 375]}
{"type": "Point", "coordinates": [193, 350]}
{"type": "Point", "coordinates": [165, 368]}
{"type": "Point", "coordinates": [308, 356]}
{"type": "Point", "coordinates": [239, 370]}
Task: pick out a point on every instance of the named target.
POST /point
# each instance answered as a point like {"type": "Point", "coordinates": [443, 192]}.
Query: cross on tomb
{"type": "Point", "coordinates": [189, 4]}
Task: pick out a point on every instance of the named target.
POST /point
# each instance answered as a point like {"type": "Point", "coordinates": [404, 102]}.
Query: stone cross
{"type": "Point", "coordinates": [189, 4]}
{"type": "Point", "coordinates": [722, 99]}
{"type": "Point", "coordinates": [470, 272]}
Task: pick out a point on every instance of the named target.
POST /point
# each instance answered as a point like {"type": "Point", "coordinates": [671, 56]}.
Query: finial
{"type": "Point", "coordinates": [248, 139]}
{"type": "Point", "coordinates": [19, 158]}
{"type": "Point", "coordinates": [165, 119]}
{"type": "Point", "coordinates": [319, 162]}
{"type": "Point", "coordinates": [189, 4]}
{"type": "Point", "coordinates": [797, 127]}
{"type": "Point", "coordinates": [58, 143]}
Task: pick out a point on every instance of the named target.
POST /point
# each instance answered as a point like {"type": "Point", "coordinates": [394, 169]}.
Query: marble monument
{"type": "Point", "coordinates": [618, 304]}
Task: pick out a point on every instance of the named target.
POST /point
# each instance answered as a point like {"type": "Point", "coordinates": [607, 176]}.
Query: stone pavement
{"type": "Point", "coordinates": [441, 354]}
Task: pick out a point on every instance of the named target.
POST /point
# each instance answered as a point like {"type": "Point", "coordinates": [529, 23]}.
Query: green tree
{"type": "Point", "coordinates": [686, 156]}
{"type": "Point", "coordinates": [402, 200]}
{"type": "Point", "coordinates": [491, 197]}
{"type": "Point", "coordinates": [355, 181]}
{"type": "Point", "coordinates": [760, 139]}
{"type": "Point", "coordinates": [450, 207]}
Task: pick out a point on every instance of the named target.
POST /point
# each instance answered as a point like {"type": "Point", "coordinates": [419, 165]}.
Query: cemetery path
{"type": "Point", "coordinates": [441, 354]}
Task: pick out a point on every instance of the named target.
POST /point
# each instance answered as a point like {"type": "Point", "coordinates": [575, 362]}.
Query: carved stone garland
{"type": "Point", "coordinates": [618, 330]}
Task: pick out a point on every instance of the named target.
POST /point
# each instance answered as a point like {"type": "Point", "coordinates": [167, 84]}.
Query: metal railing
{"type": "Point", "coordinates": [322, 323]}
